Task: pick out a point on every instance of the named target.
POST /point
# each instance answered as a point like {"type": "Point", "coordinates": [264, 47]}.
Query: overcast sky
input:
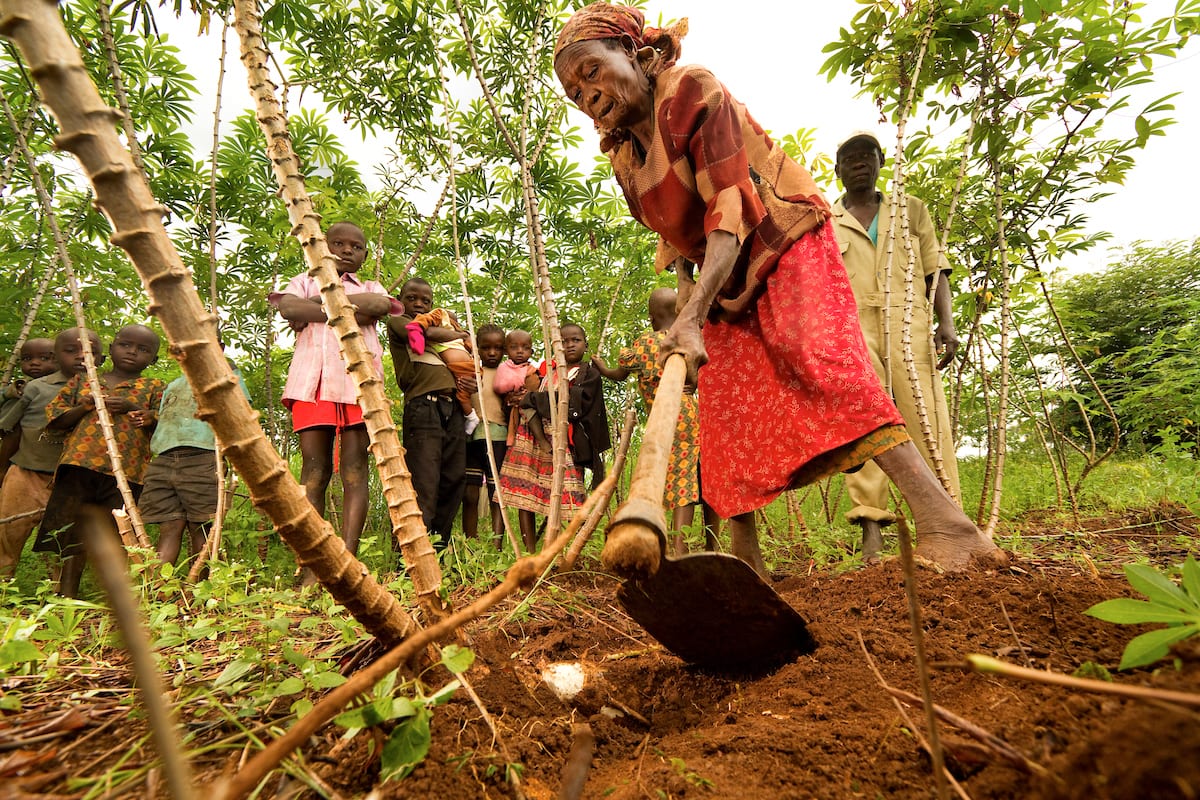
{"type": "Point", "coordinates": [770, 60]}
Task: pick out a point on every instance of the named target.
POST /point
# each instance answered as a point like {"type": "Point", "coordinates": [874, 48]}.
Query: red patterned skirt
{"type": "Point", "coordinates": [789, 395]}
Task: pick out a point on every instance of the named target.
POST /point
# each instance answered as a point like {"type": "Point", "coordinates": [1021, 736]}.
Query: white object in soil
{"type": "Point", "coordinates": [565, 679]}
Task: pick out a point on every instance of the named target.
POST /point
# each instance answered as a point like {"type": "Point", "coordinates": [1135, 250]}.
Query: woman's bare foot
{"type": "Point", "coordinates": [945, 536]}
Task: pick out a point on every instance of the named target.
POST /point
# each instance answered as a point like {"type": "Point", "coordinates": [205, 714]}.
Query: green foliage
{"type": "Point", "coordinates": [1177, 606]}
{"type": "Point", "coordinates": [1136, 328]}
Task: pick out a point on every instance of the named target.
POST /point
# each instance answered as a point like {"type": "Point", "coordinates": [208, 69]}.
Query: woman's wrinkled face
{"type": "Point", "coordinates": [603, 78]}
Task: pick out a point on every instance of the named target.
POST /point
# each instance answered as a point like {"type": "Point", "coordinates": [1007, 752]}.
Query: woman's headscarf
{"type": "Point", "coordinates": [600, 20]}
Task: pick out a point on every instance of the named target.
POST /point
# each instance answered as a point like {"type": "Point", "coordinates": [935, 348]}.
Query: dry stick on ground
{"type": "Point", "coordinates": [87, 131]}
{"type": "Point", "coordinates": [918, 637]}
{"type": "Point", "coordinates": [1009, 754]}
{"type": "Point", "coordinates": [523, 573]}
{"type": "Point", "coordinates": [412, 260]}
{"type": "Point", "coordinates": [100, 537]}
{"type": "Point", "coordinates": [60, 246]}
{"type": "Point", "coordinates": [579, 762]}
{"type": "Point", "coordinates": [958, 789]}
{"type": "Point", "coordinates": [593, 520]}
{"type": "Point", "coordinates": [993, 666]}
{"type": "Point", "coordinates": [420, 560]}
{"type": "Point", "coordinates": [213, 542]}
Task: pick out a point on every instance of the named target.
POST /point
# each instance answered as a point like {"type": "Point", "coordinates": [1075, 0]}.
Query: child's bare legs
{"type": "Point", "coordinates": [528, 530]}
{"type": "Point", "coordinates": [598, 473]}
{"type": "Point", "coordinates": [497, 522]}
{"type": "Point", "coordinates": [945, 535]}
{"type": "Point", "coordinates": [538, 432]}
{"type": "Point", "coordinates": [355, 484]}
{"type": "Point", "coordinates": [72, 572]}
{"type": "Point", "coordinates": [683, 516]}
{"type": "Point", "coordinates": [316, 464]}
{"type": "Point", "coordinates": [470, 514]}
{"type": "Point", "coordinates": [170, 540]}
{"type": "Point", "coordinates": [743, 542]}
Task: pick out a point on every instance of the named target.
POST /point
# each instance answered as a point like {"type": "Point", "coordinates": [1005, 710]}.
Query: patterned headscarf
{"type": "Point", "coordinates": [601, 20]}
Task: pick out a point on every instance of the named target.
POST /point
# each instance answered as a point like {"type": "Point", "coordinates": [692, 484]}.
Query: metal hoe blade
{"type": "Point", "coordinates": [713, 610]}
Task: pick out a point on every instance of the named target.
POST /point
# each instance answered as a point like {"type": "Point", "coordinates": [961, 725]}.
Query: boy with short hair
{"type": "Point", "coordinates": [433, 426]}
{"type": "Point", "coordinates": [26, 486]}
{"type": "Point", "coordinates": [85, 473]}
{"type": "Point", "coordinates": [320, 392]}
{"type": "Point", "coordinates": [489, 342]}
{"type": "Point", "coordinates": [36, 360]}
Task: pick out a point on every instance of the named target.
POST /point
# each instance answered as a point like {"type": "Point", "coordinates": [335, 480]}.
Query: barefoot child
{"type": "Point", "coordinates": [320, 392]}
{"type": "Point", "coordinates": [85, 473]}
{"type": "Point", "coordinates": [26, 485]}
{"type": "Point", "coordinates": [454, 349]}
{"type": "Point", "coordinates": [489, 343]}
{"type": "Point", "coordinates": [529, 466]}
{"type": "Point", "coordinates": [36, 360]}
{"type": "Point", "coordinates": [181, 484]}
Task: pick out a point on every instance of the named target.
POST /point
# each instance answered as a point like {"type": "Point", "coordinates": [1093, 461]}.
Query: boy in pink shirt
{"type": "Point", "coordinates": [320, 392]}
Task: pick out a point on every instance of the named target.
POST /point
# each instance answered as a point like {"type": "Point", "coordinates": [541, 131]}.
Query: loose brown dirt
{"type": "Point", "coordinates": [821, 726]}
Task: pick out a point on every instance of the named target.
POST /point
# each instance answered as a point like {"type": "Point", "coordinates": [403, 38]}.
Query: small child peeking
{"type": "Point", "coordinates": [85, 473]}
{"type": "Point", "coordinates": [36, 359]}
{"type": "Point", "coordinates": [489, 343]}
{"type": "Point", "coordinates": [454, 350]}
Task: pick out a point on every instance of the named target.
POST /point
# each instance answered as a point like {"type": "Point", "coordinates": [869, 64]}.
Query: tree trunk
{"type": "Point", "coordinates": [121, 190]}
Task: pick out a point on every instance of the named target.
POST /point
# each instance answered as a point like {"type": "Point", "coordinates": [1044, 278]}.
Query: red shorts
{"type": "Point", "coordinates": [323, 414]}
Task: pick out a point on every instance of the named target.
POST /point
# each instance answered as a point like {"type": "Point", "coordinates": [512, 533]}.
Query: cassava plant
{"type": "Point", "coordinates": [1178, 606]}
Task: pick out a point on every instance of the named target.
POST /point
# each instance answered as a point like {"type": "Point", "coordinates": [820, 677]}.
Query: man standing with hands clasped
{"type": "Point", "coordinates": [864, 219]}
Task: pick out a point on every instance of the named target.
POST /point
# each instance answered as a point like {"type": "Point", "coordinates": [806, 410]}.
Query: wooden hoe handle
{"type": "Point", "coordinates": [636, 538]}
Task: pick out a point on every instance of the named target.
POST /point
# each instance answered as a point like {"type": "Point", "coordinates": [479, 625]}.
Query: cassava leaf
{"type": "Point", "coordinates": [1155, 645]}
{"type": "Point", "coordinates": [1127, 611]}
{"type": "Point", "coordinates": [457, 659]}
{"type": "Point", "coordinates": [406, 747]}
{"type": "Point", "coordinates": [1191, 578]}
{"type": "Point", "coordinates": [1157, 587]}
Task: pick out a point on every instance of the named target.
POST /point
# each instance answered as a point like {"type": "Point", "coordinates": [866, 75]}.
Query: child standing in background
{"type": "Point", "coordinates": [181, 488]}
{"type": "Point", "coordinates": [85, 474]}
{"type": "Point", "coordinates": [529, 466]}
{"type": "Point", "coordinates": [682, 492]}
{"type": "Point", "coordinates": [26, 486]}
{"type": "Point", "coordinates": [320, 393]}
{"type": "Point", "coordinates": [489, 343]}
{"type": "Point", "coordinates": [36, 360]}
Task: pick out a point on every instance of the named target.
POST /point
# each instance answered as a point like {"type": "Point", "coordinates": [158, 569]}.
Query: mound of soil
{"type": "Point", "coordinates": [822, 726]}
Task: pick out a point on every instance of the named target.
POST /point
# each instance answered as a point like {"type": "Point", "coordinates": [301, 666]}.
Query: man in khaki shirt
{"type": "Point", "coordinates": [863, 219]}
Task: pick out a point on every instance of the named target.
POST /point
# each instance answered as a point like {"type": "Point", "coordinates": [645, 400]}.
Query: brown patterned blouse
{"type": "Point", "coordinates": [712, 167]}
